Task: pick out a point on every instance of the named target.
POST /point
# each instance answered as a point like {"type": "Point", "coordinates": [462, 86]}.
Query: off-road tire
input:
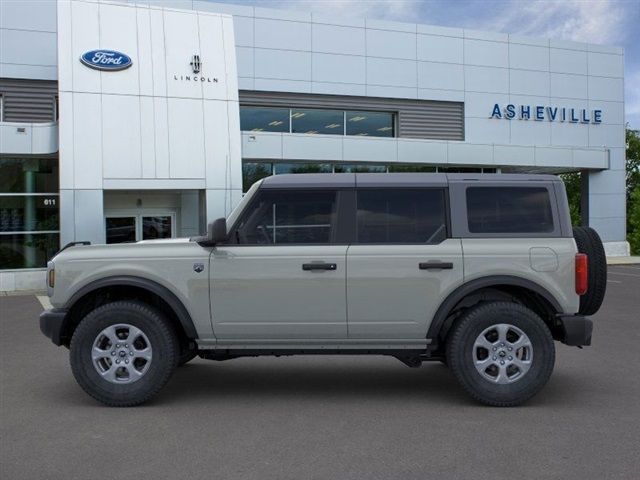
{"type": "Point", "coordinates": [588, 241]}
{"type": "Point", "coordinates": [163, 341]}
{"type": "Point", "coordinates": [460, 347]}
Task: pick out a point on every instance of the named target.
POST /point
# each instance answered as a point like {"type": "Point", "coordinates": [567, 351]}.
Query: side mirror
{"type": "Point", "coordinates": [217, 231]}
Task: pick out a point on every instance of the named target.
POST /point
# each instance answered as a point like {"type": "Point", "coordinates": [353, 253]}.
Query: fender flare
{"type": "Point", "coordinates": [494, 280]}
{"type": "Point", "coordinates": [154, 287]}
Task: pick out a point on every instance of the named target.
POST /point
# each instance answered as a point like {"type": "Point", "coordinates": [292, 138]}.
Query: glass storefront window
{"type": "Point", "coordinates": [411, 168]}
{"type": "Point", "coordinates": [28, 175]}
{"type": "Point", "coordinates": [264, 119]}
{"type": "Point", "coordinates": [280, 168]}
{"type": "Point", "coordinates": [252, 172]}
{"type": "Point", "coordinates": [372, 124]}
{"type": "Point", "coordinates": [29, 250]}
{"type": "Point", "coordinates": [328, 122]}
{"type": "Point", "coordinates": [360, 168]}
{"type": "Point", "coordinates": [28, 213]}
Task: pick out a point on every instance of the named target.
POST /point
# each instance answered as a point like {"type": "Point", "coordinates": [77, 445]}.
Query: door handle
{"type": "Point", "coordinates": [319, 266]}
{"type": "Point", "coordinates": [435, 265]}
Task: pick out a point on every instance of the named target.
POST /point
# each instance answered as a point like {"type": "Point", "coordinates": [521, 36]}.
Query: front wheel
{"type": "Point", "coordinates": [502, 353]}
{"type": "Point", "coordinates": [123, 353]}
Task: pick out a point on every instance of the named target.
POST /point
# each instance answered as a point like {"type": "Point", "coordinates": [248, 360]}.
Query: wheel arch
{"type": "Point", "coordinates": [495, 287]}
{"type": "Point", "coordinates": [106, 289]}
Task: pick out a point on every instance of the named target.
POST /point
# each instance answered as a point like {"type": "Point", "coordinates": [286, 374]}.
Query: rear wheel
{"type": "Point", "coordinates": [123, 353]}
{"type": "Point", "coordinates": [588, 241]}
{"type": "Point", "coordinates": [502, 353]}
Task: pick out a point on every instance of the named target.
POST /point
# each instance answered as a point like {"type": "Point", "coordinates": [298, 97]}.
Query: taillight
{"type": "Point", "coordinates": [582, 271]}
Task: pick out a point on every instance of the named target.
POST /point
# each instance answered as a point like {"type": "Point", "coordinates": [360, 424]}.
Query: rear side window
{"type": "Point", "coordinates": [509, 210]}
{"type": "Point", "coordinates": [289, 217]}
{"type": "Point", "coordinates": [401, 216]}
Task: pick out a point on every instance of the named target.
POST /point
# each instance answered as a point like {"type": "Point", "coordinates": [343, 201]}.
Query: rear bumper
{"type": "Point", "coordinates": [577, 330]}
{"type": "Point", "coordinates": [51, 323]}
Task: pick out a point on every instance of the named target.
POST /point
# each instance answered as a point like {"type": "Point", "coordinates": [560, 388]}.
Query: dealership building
{"type": "Point", "coordinates": [125, 121]}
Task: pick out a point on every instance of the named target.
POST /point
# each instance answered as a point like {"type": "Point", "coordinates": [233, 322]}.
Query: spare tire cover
{"type": "Point", "coordinates": [588, 242]}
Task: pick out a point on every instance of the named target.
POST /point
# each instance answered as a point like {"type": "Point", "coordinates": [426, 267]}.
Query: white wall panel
{"type": "Point", "coordinates": [283, 34]}
{"type": "Point", "coordinates": [147, 138]}
{"type": "Point", "coordinates": [35, 48]}
{"type": "Point", "coordinates": [34, 15]}
{"type": "Point", "coordinates": [144, 54]}
{"type": "Point", "coordinates": [569, 134]}
{"type": "Point", "coordinates": [312, 147]}
{"type": "Point", "coordinates": [118, 31]}
{"type": "Point", "coordinates": [528, 57]}
{"type": "Point", "coordinates": [216, 143]}
{"type": "Point", "coordinates": [186, 138]}
{"type": "Point", "coordinates": [606, 135]}
{"type": "Point", "coordinates": [369, 149]}
{"type": "Point", "coordinates": [568, 86]}
{"type": "Point", "coordinates": [487, 130]}
{"type": "Point", "coordinates": [244, 57]}
{"type": "Point", "coordinates": [329, 88]}
{"type": "Point", "coordinates": [421, 151]}
{"type": "Point", "coordinates": [480, 105]}
{"type": "Point", "coordinates": [612, 112]}
{"type": "Point", "coordinates": [121, 150]}
{"type": "Point", "coordinates": [87, 141]}
{"type": "Point", "coordinates": [526, 82]}
{"type": "Point", "coordinates": [161, 136]}
{"type": "Point", "coordinates": [284, 65]}
{"type": "Point", "coordinates": [605, 65]}
{"type": "Point", "coordinates": [486, 79]}
{"type": "Point", "coordinates": [568, 61]}
{"type": "Point", "coordinates": [243, 30]}
{"type": "Point", "coordinates": [468, 153]}
{"type": "Point", "coordinates": [530, 132]}
{"type": "Point", "coordinates": [181, 43]}
{"type": "Point", "coordinates": [444, 76]}
{"type": "Point", "coordinates": [261, 146]}
{"type": "Point", "coordinates": [85, 35]}
{"type": "Point", "coordinates": [65, 49]}
{"type": "Point", "coordinates": [159, 67]}
{"type": "Point", "coordinates": [553, 157]}
{"type": "Point", "coordinates": [211, 36]}
{"type": "Point", "coordinates": [338, 39]}
{"type": "Point", "coordinates": [434, 48]}
{"type": "Point", "coordinates": [489, 54]}
{"type": "Point", "coordinates": [338, 68]}
{"type": "Point", "coordinates": [610, 89]}
{"type": "Point", "coordinates": [381, 43]}
{"type": "Point", "coordinates": [393, 73]}
{"type": "Point", "coordinates": [513, 155]}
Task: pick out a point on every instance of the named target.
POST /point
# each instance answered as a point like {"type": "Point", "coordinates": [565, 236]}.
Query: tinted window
{"type": "Point", "coordinates": [261, 119]}
{"type": "Point", "coordinates": [372, 124]}
{"type": "Point", "coordinates": [302, 168]}
{"type": "Point", "coordinates": [361, 168]}
{"type": "Point", "coordinates": [285, 217]}
{"type": "Point", "coordinates": [401, 216]}
{"type": "Point", "coordinates": [509, 210]}
{"type": "Point", "coordinates": [317, 121]}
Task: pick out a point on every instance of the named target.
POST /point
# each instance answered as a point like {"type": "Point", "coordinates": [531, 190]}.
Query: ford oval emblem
{"type": "Point", "coordinates": [108, 60]}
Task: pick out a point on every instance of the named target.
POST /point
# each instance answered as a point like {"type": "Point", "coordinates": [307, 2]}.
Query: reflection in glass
{"type": "Point", "coordinates": [156, 227]}
{"type": "Point", "coordinates": [364, 168]}
{"type": "Point", "coordinates": [121, 229]}
{"type": "Point", "coordinates": [264, 119]}
{"type": "Point", "coordinates": [252, 172]}
{"type": "Point", "coordinates": [30, 250]}
{"type": "Point", "coordinates": [281, 168]}
{"type": "Point", "coordinates": [408, 168]}
{"type": "Point", "coordinates": [28, 213]}
{"type": "Point", "coordinates": [28, 175]}
{"type": "Point", "coordinates": [317, 121]}
{"type": "Point", "coordinates": [372, 124]}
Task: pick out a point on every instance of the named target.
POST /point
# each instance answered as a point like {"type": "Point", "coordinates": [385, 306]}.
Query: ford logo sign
{"type": "Point", "coordinates": [108, 60]}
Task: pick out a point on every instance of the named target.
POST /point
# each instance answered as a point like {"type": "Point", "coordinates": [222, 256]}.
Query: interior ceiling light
{"type": "Point", "coordinates": [384, 129]}
{"type": "Point", "coordinates": [312, 131]}
{"type": "Point", "coordinates": [356, 119]}
{"type": "Point", "coordinates": [362, 134]}
{"type": "Point", "coordinates": [333, 125]}
{"type": "Point", "coordinates": [275, 123]}
{"type": "Point", "coordinates": [298, 115]}
{"type": "Point", "coordinates": [257, 129]}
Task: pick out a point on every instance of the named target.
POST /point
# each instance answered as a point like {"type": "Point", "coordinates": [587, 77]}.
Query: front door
{"type": "Point", "coordinates": [402, 263]}
{"type": "Point", "coordinates": [132, 227]}
{"type": "Point", "coordinates": [282, 277]}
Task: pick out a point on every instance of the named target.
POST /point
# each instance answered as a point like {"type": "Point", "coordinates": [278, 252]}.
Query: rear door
{"type": "Point", "coordinates": [402, 264]}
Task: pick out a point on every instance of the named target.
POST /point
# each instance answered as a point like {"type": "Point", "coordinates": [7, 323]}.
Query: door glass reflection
{"type": "Point", "coordinates": [121, 229]}
{"type": "Point", "coordinates": [156, 227]}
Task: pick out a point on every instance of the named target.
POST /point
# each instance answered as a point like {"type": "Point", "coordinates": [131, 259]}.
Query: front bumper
{"type": "Point", "coordinates": [51, 324]}
{"type": "Point", "coordinates": [576, 329]}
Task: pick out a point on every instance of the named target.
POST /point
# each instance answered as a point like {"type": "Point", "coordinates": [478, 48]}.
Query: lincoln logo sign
{"type": "Point", "coordinates": [108, 60]}
{"type": "Point", "coordinates": [543, 112]}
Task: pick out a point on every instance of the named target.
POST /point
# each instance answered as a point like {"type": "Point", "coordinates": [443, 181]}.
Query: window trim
{"type": "Point", "coordinates": [447, 215]}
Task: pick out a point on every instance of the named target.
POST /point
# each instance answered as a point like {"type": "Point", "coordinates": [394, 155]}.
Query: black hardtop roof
{"type": "Point", "coordinates": [346, 180]}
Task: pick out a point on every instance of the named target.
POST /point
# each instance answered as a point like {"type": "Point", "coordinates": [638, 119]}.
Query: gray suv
{"type": "Point", "coordinates": [480, 272]}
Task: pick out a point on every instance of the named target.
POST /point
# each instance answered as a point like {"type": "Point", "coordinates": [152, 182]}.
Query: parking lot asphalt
{"type": "Point", "coordinates": [325, 417]}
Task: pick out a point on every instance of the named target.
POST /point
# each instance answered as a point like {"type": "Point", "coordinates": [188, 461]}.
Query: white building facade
{"type": "Point", "coordinates": [130, 121]}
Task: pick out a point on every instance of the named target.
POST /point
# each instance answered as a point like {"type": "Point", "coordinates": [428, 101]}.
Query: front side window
{"type": "Point", "coordinates": [288, 217]}
{"type": "Point", "coordinates": [401, 216]}
{"type": "Point", "coordinates": [509, 210]}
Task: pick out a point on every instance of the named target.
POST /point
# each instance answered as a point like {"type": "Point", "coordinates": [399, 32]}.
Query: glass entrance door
{"type": "Point", "coordinates": [132, 228]}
